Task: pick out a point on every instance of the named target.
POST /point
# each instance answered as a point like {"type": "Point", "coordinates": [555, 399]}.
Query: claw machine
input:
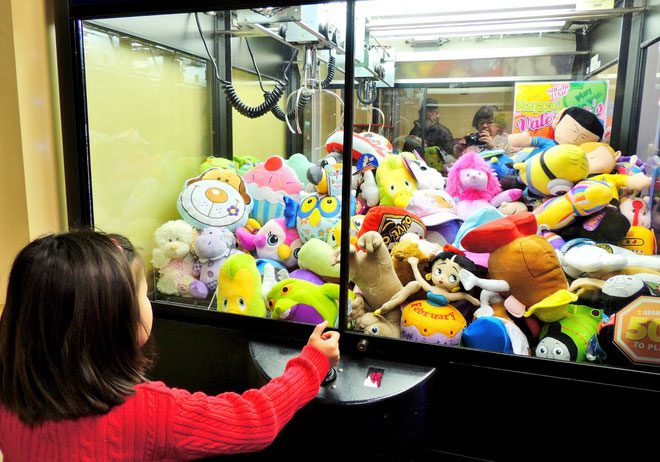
{"type": "Point", "coordinates": [467, 193]}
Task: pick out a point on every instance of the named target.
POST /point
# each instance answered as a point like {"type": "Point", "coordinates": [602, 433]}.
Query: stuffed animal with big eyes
{"type": "Point", "coordinates": [273, 241]}
{"type": "Point", "coordinates": [314, 217]}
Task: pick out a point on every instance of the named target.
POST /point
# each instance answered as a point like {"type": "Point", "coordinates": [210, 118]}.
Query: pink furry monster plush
{"type": "Point", "coordinates": [471, 180]}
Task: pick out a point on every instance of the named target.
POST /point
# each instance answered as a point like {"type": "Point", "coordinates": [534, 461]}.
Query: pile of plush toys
{"type": "Point", "coordinates": [531, 255]}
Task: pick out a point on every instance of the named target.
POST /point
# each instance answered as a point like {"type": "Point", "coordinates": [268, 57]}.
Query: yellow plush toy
{"type": "Point", "coordinates": [395, 182]}
{"type": "Point", "coordinates": [239, 287]}
{"type": "Point", "coordinates": [585, 198]}
{"type": "Point", "coordinates": [554, 171]}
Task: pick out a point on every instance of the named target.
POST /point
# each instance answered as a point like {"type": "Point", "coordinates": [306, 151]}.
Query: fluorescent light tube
{"type": "Point", "coordinates": [494, 29]}
{"type": "Point", "coordinates": [377, 24]}
{"type": "Point", "coordinates": [382, 8]}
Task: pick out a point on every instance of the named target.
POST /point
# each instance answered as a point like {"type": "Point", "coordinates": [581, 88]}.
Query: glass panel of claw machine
{"type": "Point", "coordinates": [491, 214]}
{"type": "Point", "coordinates": [206, 132]}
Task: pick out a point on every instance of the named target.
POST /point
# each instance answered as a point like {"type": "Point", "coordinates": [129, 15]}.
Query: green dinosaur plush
{"type": "Point", "coordinates": [303, 301]}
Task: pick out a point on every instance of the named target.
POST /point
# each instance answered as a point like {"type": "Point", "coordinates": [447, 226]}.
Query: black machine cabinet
{"type": "Point", "coordinates": [149, 91]}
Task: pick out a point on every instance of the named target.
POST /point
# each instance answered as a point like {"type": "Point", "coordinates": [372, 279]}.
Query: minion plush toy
{"type": "Point", "coordinates": [554, 171]}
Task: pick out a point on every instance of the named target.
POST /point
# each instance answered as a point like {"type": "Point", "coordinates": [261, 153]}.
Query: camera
{"type": "Point", "coordinates": [473, 140]}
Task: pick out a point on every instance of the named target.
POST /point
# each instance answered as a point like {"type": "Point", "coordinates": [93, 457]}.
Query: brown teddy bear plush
{"type": "Point", "coordinates": [411, 245]}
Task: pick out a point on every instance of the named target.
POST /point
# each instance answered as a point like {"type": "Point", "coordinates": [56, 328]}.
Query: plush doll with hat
{"type": "Point", "coordinates": [239, 287]}
{"type": "Point", "coordinates": [303, 301]}
{"type": "Point", "coordinates": [554, 171]}
{"type": "Point", "coordinates": [471, 180]}
{"type": "Point", "coordinates": [523, 265]}
{"type": "Point", "coordinates": [584, 199]}
{"type": "Point", "coordinates": [369, 189]}
{"type": "Point", "coordinates": [217, 197]}
{"type": "Point", "coordinates": [501, 164]}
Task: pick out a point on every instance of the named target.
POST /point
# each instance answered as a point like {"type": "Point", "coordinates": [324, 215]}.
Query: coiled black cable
{"type": "Point", "coordinates": [366, 92]}
{"type": "Point", "coordinates": [271, 98]}
{"type": "Point", "coordinates": [305, 98]}
{"type": "Point", "coordinates": [331, 72]}
{"type": "Point", "coordinates": [270, 101]}
{"type": "Point", "coordinates": [302, 102]}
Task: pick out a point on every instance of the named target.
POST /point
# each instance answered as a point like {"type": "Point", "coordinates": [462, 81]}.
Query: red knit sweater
{"type": "Point", "coordinates": [161, 423]}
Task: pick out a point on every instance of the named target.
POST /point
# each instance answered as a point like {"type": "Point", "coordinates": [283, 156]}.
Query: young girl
{"type": "Point", "coordinates": [72, 372]}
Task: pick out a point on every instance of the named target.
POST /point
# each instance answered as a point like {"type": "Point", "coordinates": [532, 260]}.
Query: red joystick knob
{"type": "Point", "coordinates": [273, 163]}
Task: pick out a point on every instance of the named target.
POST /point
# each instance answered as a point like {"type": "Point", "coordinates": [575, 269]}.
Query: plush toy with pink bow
{"type": "Point", "coordinates": [472, 182]}
{"type": "Point", "coordinates": [273, 241]}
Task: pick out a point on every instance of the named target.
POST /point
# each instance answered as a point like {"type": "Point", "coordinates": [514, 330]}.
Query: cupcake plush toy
{"type": "Point", "coordinates": [268, 183]}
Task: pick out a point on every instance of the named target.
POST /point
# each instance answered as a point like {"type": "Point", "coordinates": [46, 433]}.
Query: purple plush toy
{"type": "Point", "coordinates": [212, 250]}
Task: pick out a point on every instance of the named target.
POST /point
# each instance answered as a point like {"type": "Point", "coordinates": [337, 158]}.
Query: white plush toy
{"type": "Point", "coordinates": [173, 258]}
{"type": "Point", "coordinates": [427, 177]}
{"type": "Point", "coordinates": [580, 257]}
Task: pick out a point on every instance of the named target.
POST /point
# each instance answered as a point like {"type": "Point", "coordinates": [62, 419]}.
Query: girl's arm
{"type": "Point", "coordinates": [201, 425]}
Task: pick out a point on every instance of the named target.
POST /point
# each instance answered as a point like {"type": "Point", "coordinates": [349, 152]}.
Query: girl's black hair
{"type": "Point", "coordinates": [69, 343]}
{"type": "Point", "coordinates": [586, 119]}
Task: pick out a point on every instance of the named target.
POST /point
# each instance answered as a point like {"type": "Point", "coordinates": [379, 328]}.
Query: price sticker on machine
{"type": "Point", "coordinates": [637, 330]}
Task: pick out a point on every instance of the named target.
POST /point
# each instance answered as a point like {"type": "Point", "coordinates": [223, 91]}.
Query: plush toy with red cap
{"type": "Point", "coordinates": [522, 264]}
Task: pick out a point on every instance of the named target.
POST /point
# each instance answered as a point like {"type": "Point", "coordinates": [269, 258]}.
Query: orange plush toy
{"type": "Point", "coordinates": [523, 265]}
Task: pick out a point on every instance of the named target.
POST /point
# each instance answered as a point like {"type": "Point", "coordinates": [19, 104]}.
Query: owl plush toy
{"type": "Point", "coordinates": [315, 216]}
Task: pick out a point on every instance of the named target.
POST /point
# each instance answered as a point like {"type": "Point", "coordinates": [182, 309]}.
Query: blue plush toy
{"type": "Point", "coordinates": [315, 216]}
